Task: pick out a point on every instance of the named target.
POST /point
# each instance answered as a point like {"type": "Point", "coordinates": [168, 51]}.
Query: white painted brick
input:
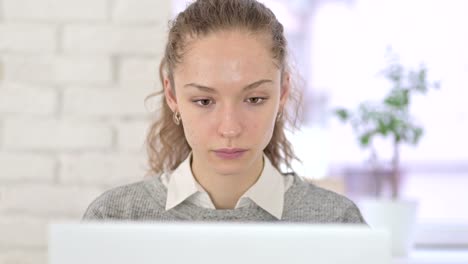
{"type": "Point", "coordinates": [131, 135]}
{"type": "Point", "coordinates": [22, 231]}
{"type": "Point", "coordinates": [18, 98]}
{"type": "Point", "coordinates": [28, 68]}
{"type": "Point", "coordinates": [23, 256]}
{"type": "Point", "coordinates": [83, 70]}
{"type": "Point", "coordinates": [111, 102]}
{"type": "Point", "coordinates": [114, 39]}
{"type": "Point", "coordinates": [26, 167]}
{"type": "Point", "coordinates": [138, 69]}
{"type": "Point", "coordinates": [55, 10]}
{"type": "Point", "coordinates": [55, 135]}
{"type": "Point", "coordinates": [147, 11]}
{"type": "Point", "coordinates": [53, 69]}
{"type": "Point", "coordinates": [47, 200]}
{"type": "Point", "coordinates": [102, 170]}
{"type": "Point", "coordinates": [27, 38]}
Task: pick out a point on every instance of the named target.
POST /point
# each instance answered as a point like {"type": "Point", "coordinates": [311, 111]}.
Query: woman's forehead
{"type": "Point", "coordinates": [232, 56]}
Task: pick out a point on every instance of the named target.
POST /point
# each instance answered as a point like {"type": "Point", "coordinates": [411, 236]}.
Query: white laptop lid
{"type": "Point", "coordinates": [216, 243]}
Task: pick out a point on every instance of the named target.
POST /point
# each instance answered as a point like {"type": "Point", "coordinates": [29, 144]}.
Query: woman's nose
{"type": "Point", "coordinates": [230, 124]}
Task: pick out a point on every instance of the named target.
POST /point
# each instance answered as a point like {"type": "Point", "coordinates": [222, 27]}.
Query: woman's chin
{"type": "Point", "coordinates": [232, 166]}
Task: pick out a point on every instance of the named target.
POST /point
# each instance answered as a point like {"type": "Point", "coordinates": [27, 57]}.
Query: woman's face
{"type": "Point", "coordinates": [228, 91]}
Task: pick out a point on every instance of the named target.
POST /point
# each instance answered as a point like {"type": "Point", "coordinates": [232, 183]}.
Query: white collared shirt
{"type": "Point", "coordinates": [268, 192]}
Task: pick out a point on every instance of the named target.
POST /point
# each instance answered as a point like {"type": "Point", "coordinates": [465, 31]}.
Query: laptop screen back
{"type": "Point", "coordinates": [215, 243]}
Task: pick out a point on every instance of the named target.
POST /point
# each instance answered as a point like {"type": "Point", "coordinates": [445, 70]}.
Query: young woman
{"type": "Point", "coordinates": [216, 151]}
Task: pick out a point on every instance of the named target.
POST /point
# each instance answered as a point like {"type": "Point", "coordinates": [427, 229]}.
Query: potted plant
{"type": "Point", "coordinates": [391, 120]}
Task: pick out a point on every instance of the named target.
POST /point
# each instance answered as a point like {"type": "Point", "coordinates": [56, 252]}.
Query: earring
{"type": "Point", "coordinates": [176, 118]}
{"type": "Point", "coordinates": [278, 117]}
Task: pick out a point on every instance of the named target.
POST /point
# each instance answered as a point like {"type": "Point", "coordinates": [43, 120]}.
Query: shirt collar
{"type": "Point", "coordinates": [181, 184]}
{"type": "Point", "coordinates": [267, 192]}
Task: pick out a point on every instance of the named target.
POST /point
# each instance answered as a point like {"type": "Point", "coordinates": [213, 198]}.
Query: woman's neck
{"type": "Point", "coordinates": [226, 190]}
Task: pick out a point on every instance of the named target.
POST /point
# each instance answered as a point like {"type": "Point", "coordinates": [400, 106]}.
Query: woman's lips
{"type": "Point", "coordinates": [230, 153]}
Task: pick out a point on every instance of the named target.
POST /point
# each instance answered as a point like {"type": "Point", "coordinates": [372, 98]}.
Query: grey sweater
{"type": "Point", "coordinates": [145, 200]}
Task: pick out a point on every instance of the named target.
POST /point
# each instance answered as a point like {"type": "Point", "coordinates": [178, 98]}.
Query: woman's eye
{"type": "Point", "coordinates": [203, 102]}
{"type": "Point", "coordinates": [256, 100]}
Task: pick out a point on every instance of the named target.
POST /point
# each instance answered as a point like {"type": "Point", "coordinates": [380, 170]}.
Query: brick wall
{"type": "Point", "coordinates": [73, 78]}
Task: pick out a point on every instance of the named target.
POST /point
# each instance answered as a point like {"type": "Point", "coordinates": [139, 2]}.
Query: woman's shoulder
{"type": "Point", "coordinates": [120, 202]}
{"type": "Point", "coordinates": [326, 204]}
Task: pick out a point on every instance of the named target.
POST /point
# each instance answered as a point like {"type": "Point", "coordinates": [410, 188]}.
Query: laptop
{"type": "Point", "coordinates": [215, 243]}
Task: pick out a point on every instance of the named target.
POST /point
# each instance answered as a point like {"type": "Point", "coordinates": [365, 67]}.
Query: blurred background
{"type": "Point", "coordinates": [74, 76]}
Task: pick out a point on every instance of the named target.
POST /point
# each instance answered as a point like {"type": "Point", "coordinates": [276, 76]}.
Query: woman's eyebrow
{"type": "Point", "coordinates": [213, 90]}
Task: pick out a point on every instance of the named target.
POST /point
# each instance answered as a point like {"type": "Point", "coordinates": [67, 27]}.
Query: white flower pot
{"type": "Point", "coordinates": [398, 217]}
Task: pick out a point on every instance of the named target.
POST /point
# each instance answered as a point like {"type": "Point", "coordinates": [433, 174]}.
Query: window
{"type": "Point", "coordinates": [348, 47]}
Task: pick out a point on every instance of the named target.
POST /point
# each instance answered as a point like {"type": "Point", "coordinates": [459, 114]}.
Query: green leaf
{"type": "Point", "coordinates": [382, 127]}
{"type": "Point", "coordinates": [422, 74]}
{"type": "Point", "coordinates": [416, 134]}
{"type": "Point", "coordinates": [398, 98]}
{"type": "Point", "coordinates": [397, 138]}
{"type": "Point", "coordinates": [342, 114]}
{"type": "Point", "coordinates": [365, 139]}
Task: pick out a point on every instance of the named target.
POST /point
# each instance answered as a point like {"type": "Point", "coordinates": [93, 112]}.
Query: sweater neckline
{"type": "Point", "coordinates": [156, 189]}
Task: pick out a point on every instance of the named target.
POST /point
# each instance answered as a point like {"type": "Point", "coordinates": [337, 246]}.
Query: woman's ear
{"type": "Point", "coordinates": [169, 94]}
{"type": "Point", "coordinates": [285, 88]}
